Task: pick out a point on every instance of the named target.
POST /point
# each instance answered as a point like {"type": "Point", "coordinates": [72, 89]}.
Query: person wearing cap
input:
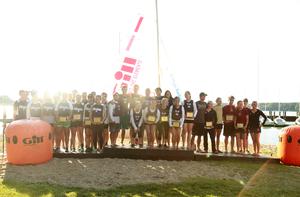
{"type": "Point", "coordinates": [247, 108]}
{"type": "Point", "coordinates": [124, 100]}
{"type": "Point", "coordinates": [87, 123]}
{"type": "Point", "coordinates": [190, 109]}
{"type": "Point", "coordinates": [228, 119]}
{"type": "Point", "coordinates": [176, 120]}
{"type": "Point", "coordinates": [34, 107]}
{"type": "Point", "coordinates": [199, 121]}
{"type": "Point", "coordinates": [114, 112]}
{"type": "Point", "coordinates": [241, 124]}
{"type": "Point", "coordinates": [219, 125]}
{"type": "Point", "coordinates": [63, 122]}
{"type": "Point", "coordinates": [210, 124]}
{"type": "Point", "coordinates": [151, 118]}
{"type": "Point", "coordinates": [20, 106]}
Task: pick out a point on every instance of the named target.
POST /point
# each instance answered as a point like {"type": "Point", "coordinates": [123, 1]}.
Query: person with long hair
{"type": "Point", "coordinates": [190, 109]}
{"type": "Point", "coordinates": [245, 101]}
{"type": "Point", "coordinates": [210, 123]}
{"type": "Point", "coordinates": [219, 124]}
{"type": "Point", "coordinates": [114, 112]}
{"type": "Point", "coordinates": [106, 121]}
{"type": "Point", "coordinates": [176, 120]}
{"type": "Point", "coordinates": [63, 122]}
{"type": "Point", "coordinates": [169, 96]}
{"type": "Point", "coordinates": [77, 124]}
{"type": "Point", "coordinates": [98, 111]}
{"type": "Point", "coordinates": [87, 122]}
{"type": "Point", "coordinates": [255, 126]}
{"type": "Point", "coordinates": [241, 124]}
{"type": "Point", "coordinates": [163, 128]}
{"type": "Point", "coordinates": [137, 127]}
{"type": "Point", "coordinates": [151, 118]}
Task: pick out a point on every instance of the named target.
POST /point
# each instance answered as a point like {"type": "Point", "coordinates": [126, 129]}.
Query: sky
{"type": "Point", "coordinates": [242, 48]}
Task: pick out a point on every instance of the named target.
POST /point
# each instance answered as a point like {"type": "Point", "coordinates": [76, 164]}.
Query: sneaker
{"type": "Point", "coordinates": [141, 145]}
{"type": "Point", "coordinates": [248, 152]}
{"type": "Point", "coordinates": [67, 150]}
{"type": "Point", "coordinates": [220, 151]}
{"type": "Point", "coordinates": [57, 150]}
{"type": "Point", "coordinates": [132, 145]}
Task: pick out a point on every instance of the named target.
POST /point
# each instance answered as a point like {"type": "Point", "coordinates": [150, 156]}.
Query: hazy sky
{"type": "Point", "coordinates": [245, 48]}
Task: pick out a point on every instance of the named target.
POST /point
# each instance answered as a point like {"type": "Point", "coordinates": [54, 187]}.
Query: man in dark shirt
{"type": "Point", "coordinates": [124, 100]}
{"type": "Point", "coordinates": [198, 129]}
{"type": "Point", "coordinates": [20, 106]}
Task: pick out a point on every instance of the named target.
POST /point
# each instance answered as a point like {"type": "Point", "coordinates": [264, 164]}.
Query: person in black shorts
{"type": "Point", "coordinates": [255, 126]}
{"type": "Point", "coordinates": [137, 127]}
{"type": "Point", "coordinates": [190, 109]}
{"type": "Point", "coordinates": [124, 100]}
{"type": "Point", "coordinates": [228, 118]}
{"type": "Point", "coordinates": [77, 123]}
{"type": "Point", "coordinates": [163, 134]}
{"type": "Point", "coordinates": [106, 121]}
{"type": "Point", "coordinates": [198, 128]}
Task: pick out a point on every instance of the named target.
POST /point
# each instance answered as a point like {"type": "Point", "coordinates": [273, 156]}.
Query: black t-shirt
{"type": "Point", "coordinates": [211, 116]}
{"type": "Point", "coordinates": [124, 102]}
{"type": "Point", "coordinates": [134, 99]}
{"type": "Point", "coordinates": [48, 109]}
{"type": "Point", "coordinates": [158, 100]}
{"type": "Point", "coordinates": [20, 107]}
{"type": "Point", "coordinates": [254, 119]}
{"type": "Point", "coordinates": [146, 102]}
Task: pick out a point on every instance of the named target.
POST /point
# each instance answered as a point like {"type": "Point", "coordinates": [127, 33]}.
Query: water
{"type": "Point", "coordinates": [269, 135]}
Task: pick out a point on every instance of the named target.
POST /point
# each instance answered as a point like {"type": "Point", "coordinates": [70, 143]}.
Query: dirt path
{"type": "Point", "coordinates": [107, 173]}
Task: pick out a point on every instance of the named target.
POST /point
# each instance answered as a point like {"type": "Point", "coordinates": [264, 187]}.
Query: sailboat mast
{"type": "Point", "coordinates": [157, 43]}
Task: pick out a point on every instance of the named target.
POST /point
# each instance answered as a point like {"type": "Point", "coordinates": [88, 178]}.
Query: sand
{"type": "Point", "coordinates": [108, 173]}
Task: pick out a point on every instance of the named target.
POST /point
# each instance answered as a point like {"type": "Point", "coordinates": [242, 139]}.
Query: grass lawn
{"type": "Point", "coordinates": [262, 179]}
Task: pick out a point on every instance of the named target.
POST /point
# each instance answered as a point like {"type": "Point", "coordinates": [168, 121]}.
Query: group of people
{"type": "Point", "coordinates": [86, 122]}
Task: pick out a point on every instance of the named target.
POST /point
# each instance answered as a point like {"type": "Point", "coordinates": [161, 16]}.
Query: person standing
{"type": "Point", "coordinates": [210, 123]}
{"type": "Point", "coordinates": [228, 119]}
{"type": "Point", "coordinates": [77, 124]}
{"type": "Point", "coordinates": [247, 129]}
{"type": "Point", "coordinates": [176, 120]}
{"type": "Point", "coordinates": [199, 121]}
{"type": "Point", "coordinates": [137, 127]}
{"type": "Point", "coordinates": [169, 96]}
{"type": "Point", "coordinates": [190, 109]}
{"type": "Point", "coordinates": [114, 112]}
{"type": "Point", "coordinates": [106, 121]}
{"type": "Point", "coordinates": [87, 123]}
{"type": "Point", "coordinates": [34, 108]}
{"type": "Point", "coordinates": [147, 99]}
{"type": "Point", "coordinates": [163, 127]}
{"type": "Point", "coordinates": [135, 98]}
{"type": "Point", "coordinates": [48, 114]}
{"type": "Point", "coordinates": [255, 126]}
{"type": "Point", "coordinates": [63, 122]}
{"type": "Point", "coordinates": [20, 106]}
{"type": "Point", "coordinates": [124, 100]}
{"type": "Point", "coordinates": [151, 118]}
{"type": "Point", "coordinates": [98, 111]}
{"type": "Point", "coordinates": [241, 124]}
{"type": "Point", "coordinates": [219, 125]}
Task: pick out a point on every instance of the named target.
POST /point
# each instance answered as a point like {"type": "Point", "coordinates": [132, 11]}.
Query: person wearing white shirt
{"type": "Point", "coordinates": [219, 126]}
{"type": "Point", "coordinates": [176, 120]}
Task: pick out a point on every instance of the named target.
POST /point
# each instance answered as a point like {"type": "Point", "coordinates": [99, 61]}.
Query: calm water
{"type": "Point", "coordinates": [269, 135]}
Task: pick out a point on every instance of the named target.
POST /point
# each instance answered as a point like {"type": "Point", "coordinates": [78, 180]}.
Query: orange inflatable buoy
{"type": "Point", "coordinates": [28, 142]}
{"type": "Point", "coordinates": [289, 146]}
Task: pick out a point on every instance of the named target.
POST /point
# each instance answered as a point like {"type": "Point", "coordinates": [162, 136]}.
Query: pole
{"type": "Point", "coordinates": [157, 43]}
